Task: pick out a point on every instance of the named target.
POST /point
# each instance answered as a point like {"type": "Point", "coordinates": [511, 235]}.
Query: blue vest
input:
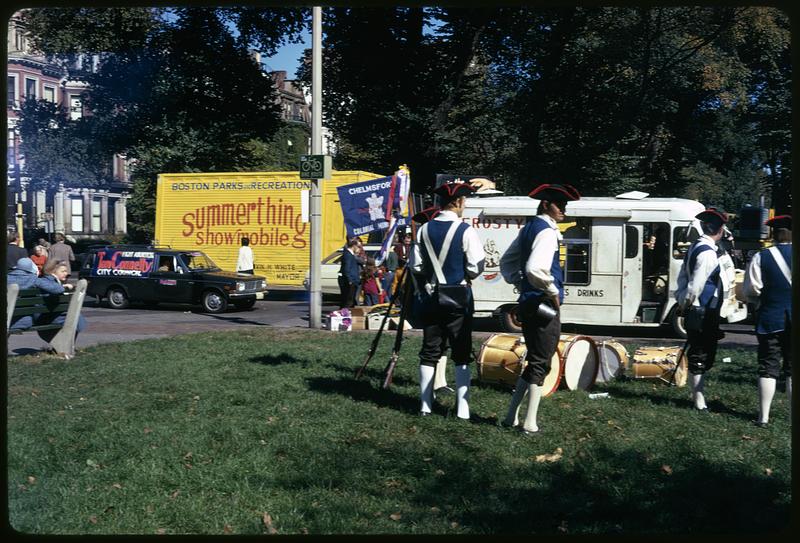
{"type": "Point", "coordinates": [775, 308]}
{"type": "Point", "coordinates": [710, 295]}
{"type": "Point", "coordinates": [454, 266]}
{"type": "Point", "coordinates": [528, 293]}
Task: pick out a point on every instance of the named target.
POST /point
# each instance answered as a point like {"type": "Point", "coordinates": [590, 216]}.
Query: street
{"type": "Point", "coordinates": [289, 309]}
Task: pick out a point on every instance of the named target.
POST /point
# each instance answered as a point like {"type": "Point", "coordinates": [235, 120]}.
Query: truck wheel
{"type": "Point", "coordinates": [117, 299]}
{"type": "Point", "coordinates": [245, 304]}
{"type": "Point", "coordinates": [509, 321]}
{"type": "Point", "coordinates": [676, 321]}
{"type": "Point", "coordinates": [214, 302]}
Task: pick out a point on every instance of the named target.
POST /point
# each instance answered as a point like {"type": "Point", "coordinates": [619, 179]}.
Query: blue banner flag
{"type": "Point", "coordinates": [369, 206]}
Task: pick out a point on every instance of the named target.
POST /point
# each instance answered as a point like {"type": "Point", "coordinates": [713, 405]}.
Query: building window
{"type": "Point", "coordinates": [96, 215]}
{"type": "Point", "coordinates": [13, 99]}
{"type": "Point", "coordinates": [30, 88]}
{"type": "Point", "coordinates": [50, 94]}
{"type": "Point", "coordinates": [12, 148]}
{"type": "Point", "coordinates": [76, 222]}
{"type": "Point", "coordinates": [75, 107]}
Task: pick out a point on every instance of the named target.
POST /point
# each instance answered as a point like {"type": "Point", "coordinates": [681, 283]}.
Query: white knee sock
{"type": "Point", "coordinates": [426, 387]}
{"type": "Point", "coordinates": [698, 385]}
{"type": "Point", "coordinates": [440, 378]}
{"type": "Point", "coordinates": [766, 391]}
{"type": "Point", "coordinates": [512, 417]}
{"type": "Point", "coordinates": [534, 395]}
{"type": "Point", "coordinates": [463, 376]}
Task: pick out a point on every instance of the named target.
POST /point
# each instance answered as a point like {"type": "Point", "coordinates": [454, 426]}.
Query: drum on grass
{"type": "Point", "coordinates": [667, 364]}
{"type": "Point", "coordinates": [502, 359]}
{"type": "Point", "coordinates": [580, 360]}
{"type": "Point", "coordinates": [613, 360]}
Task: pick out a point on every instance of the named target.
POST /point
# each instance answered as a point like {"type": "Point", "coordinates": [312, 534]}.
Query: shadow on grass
{"type": "Point", "coordinates": [276, 360]}
{"type": "Point", "coordinates": [374, 372]}
{"type": "Point", "coordinates": [362, 390]}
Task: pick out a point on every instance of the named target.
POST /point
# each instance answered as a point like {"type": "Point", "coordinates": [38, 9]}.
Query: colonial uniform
{"type": "Point", "coordinates": [768, 282]}
{"type": "Point", "coordinates": [701, 289]}
{"type": "Point", "coordinates": [440, 376]}
{"type": "Point", "coordinates": [462, 261]}
{"type": "Point", "coordinates": [532, 263]}
{"type": "Point", "coordinates": [349, 278]}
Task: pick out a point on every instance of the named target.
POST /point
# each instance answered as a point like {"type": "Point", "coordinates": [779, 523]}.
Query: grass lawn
{"type": "Point", "coordinates": [268, 432]}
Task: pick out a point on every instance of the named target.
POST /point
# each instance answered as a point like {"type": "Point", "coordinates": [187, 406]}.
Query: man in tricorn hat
{"type": "Point", "coordinates": [440, 376]}
{"type": "Point", "coordinates": [531, 262]}
{"type": "Point", "coordinates": [460, 257]}
{"type": "Point", "coordinates": [701, 291]}
{"type": "Point", "coordinates": [768, 282]}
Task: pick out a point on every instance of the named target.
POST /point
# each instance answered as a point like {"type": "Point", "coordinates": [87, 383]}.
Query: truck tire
{"type": "Point", "coordinates": [117, 299]}
{"type": "Point", "coordinates": [214, 302]}
{"type": "Point", "coordinates": [508, 320]}
{"type": "Point", "coordinates": [676, 321]}
{"type": "Point", "coordinates": [245, 304]}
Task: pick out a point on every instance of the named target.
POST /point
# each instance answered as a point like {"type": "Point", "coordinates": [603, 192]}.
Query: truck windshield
{"type": "Point", "coordinates": [198, 261]}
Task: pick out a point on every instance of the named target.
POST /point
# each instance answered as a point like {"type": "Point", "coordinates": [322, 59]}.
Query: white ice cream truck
{"type": "Point", "coordinates": [621, 257]}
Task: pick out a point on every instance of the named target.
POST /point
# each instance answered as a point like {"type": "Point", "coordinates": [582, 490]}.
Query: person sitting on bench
{"type": "Point", "coordinates": [26, 275]}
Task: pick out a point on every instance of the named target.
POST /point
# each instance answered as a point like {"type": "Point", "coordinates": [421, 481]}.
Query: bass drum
{"type": "Point", "coordinates": [613, 361]}
{"type": "Point", "coordinates": [581, 360]}
{"type": "Point", "coordinates": [502, 359]}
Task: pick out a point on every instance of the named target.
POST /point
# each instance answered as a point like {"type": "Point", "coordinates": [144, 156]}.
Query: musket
{"type": "Point", "coordinates": [377, 337]}
{"type": "Point", "coordinates": [398, 339]}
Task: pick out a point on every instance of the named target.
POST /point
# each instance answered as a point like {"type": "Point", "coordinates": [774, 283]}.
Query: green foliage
{"type": "Point", "coordinates": [281, 153]}
{"type": "Point", "coordinates": [59, 151]}
{"type": "Point", "coordinates": [267, 431]}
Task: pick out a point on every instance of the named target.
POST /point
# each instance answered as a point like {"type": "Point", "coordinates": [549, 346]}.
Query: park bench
{"type": "Point", "coordinates": [32, 301]}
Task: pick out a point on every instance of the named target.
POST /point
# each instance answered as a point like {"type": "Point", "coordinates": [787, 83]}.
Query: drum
{"type": "Point", "coordinates": [580, 360]}
{"type": "Point", "coordinates": [660, 363]}
{"type": "Point", "coordinates": [613, 360]}
{"type": "Point", "coordinates": [502, 359]}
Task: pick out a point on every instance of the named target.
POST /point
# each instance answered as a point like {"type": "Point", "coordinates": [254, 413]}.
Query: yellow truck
{"type": "Point", "coordinates": [211, 212]}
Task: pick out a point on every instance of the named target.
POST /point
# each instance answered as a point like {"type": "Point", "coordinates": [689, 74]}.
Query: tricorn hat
{"type": "Point", "coordinates": [713, 215]}
{"type": "Point", "coordinates": [425, 215]}
{"type": "Point", "coordinates": [554, 192]}
{"type": "Point", "coordinates": [780, 221]}
{"type": "Point", "coordinates": [451, 190]}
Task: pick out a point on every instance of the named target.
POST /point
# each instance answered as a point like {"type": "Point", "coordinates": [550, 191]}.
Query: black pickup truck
{"type": "Point", "coordinates": [142, 273]}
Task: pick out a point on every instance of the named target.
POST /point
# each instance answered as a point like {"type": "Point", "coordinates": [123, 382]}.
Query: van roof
{"type": "Point", "coordinates": [645, 209]}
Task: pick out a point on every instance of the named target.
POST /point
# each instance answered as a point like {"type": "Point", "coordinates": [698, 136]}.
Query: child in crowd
{"type": "Point", "coordinates": [369, 283]}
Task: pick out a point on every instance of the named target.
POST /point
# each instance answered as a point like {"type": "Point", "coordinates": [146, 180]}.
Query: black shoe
{"type": "Point", "coordinates": [525, 432]}
{"type": "Point", "coordinates": [759, 424]}
{"type": "Point", "coordinates": [504, 424]}
{"type": "Point", "coordinates": [424, 414]}
{"type": "Point", "coordinates": [703, 410]}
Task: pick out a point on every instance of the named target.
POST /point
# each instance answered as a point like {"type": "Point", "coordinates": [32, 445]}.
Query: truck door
{"type": "Point", "coordinates": [632, 272]}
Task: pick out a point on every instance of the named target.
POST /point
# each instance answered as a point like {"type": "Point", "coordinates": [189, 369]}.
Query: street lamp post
{"type": "Point", "coordinates": [315, 205]}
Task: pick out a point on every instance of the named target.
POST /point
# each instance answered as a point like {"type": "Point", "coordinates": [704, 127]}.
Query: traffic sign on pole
{"type": "Point", "coordinates": [315, 167]}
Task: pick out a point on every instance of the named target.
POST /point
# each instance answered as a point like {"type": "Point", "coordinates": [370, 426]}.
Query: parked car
{"type": "Point", "coordinates": [138, 273]}
{"type": "Point", "coordinates": [330, 270]}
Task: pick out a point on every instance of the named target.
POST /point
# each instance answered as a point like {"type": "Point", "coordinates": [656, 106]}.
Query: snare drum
{"type": "Point", "coordinates": [502, 359]}
{"type": "Point", "coordinates": [660, 363]}
{"type": "Point", "coordinates": [581, 361]}
{"type": "Point", "coordinates": [613, 360]}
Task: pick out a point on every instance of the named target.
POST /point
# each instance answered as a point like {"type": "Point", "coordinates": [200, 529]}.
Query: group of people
{"type": "Point", "coordinates": [43, 254]}
{"type": "Point", "coordinates": [49, 275]}
{"type": "Point", "coordinates": [359, 275]}
{"type": "Point", "coordinates": [447, 255]}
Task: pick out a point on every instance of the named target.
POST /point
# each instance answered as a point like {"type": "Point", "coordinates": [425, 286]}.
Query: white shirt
{"type": "Point", "coordinates": [470, 244]}
{"type": "Point", "coordinates": [690, 284]}
{"type": "Point", "coordinates": [245, 261]}
{"type": "Point", "coordinates": [753, 283]}
{"type": "Point", "coordinates": [537, 267]}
